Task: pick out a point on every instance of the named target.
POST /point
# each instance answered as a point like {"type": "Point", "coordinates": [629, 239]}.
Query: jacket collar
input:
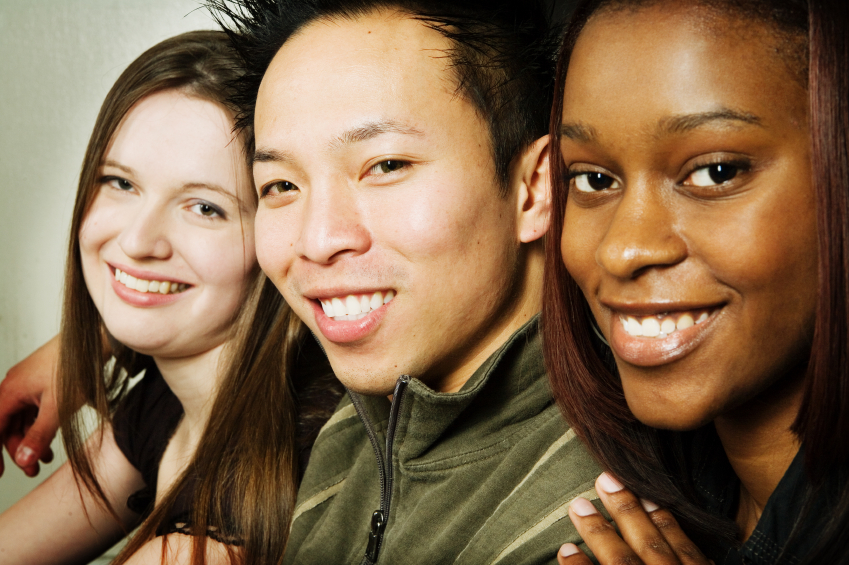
{"type": "Point", "coordinates": [510, 387]}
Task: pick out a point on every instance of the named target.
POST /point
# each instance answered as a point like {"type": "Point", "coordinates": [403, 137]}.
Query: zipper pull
{"type": "Point", "coordinates": [378, 524]}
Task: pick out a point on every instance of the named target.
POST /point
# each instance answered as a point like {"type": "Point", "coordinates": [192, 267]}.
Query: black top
{"type": "Point", "coordinates": [719, 488]}
{"type": "Point", "coordinates": [148, 415]}
{"type": "Point", "coordinates": [143, 425]}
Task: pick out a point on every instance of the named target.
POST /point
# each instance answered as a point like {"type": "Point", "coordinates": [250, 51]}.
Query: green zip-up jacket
{"type": "Point", "coordinates": [481, 476]}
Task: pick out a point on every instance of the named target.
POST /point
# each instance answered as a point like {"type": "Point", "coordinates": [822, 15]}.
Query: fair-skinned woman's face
{"type": "Point", "coordinates": [167, 246]}
{"type": "Point", "coordinates": [690, 223]}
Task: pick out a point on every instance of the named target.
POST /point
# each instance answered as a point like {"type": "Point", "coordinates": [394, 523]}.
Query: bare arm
{"type": "Point", "coordinates": [29, 418]}
{"type": "Point", "coordinates": [49, 526]}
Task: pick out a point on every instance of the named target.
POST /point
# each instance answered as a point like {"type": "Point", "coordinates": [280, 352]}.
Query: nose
{"type": "Point", "coordinates": [642, 234]}
{"type": "Point", "coordinates": [146, 234]}
{"type": "Point", "coordinates": [333, 226]}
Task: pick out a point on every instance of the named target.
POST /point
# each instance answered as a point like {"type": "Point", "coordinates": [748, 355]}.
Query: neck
{"type": "Point", "coordinates": [194, 381]}
{"type": "Point", "coordinates": [760, 445]}
{"type": "Point", "coordinates": [524, 303]}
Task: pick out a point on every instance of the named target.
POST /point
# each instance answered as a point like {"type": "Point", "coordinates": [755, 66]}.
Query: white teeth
{"type": "Point", "coordinates": [634, 327]}
{"type": "Point", "coordinates": [684, 322]}
{"type": "Point", "coordinates": [338, 307]}
{"type": "Point", "coordinates": [661, 325]}
{"type": "Point", "coordinates": [353, 307]}
{"type": "Point", "coordinates": [651, 327]}
{"type": "Point", "coordinates": [145, 286]}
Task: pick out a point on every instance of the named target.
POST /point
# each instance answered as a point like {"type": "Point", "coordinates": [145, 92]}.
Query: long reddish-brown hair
{"type": "Point", "coordinates": [584, 380]}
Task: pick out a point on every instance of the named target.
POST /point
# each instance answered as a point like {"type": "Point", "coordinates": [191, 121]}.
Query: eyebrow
{"type": "Point", "coordinates": [578, 132]}
{"type": "Point", "coordinates": [271, 156]}
{"type": "Point", "coordinates": [675, 124]}
{"type": "Point", "coordinates": [370, 130]}
{"type": "Point", "coordinates": [689, 122]}
{"type": "Point", "coordinates": [117, 165]}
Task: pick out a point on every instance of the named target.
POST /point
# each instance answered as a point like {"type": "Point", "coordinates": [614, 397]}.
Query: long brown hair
{"type": "Point", "coordinates": [652, 462]}
{"type": "Point", "coordinates": [244, 475]}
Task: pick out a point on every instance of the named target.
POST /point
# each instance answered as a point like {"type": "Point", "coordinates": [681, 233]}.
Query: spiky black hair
{"type": "Point", "coordinates": [502, 53]}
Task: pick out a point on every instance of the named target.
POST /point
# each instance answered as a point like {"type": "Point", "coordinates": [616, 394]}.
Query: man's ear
{"type": "Point", "coordinates": [534, 191]}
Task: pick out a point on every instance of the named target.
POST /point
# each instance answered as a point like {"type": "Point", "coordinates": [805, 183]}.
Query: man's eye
{"type": "Point", "coordinates": [386, 167]}
{"type": "Point", "coordinates": [278, 187]}
{"type": "Point", "coordinates": [593, 182]}
{"type": "Point", "coordinates": [712, 175]}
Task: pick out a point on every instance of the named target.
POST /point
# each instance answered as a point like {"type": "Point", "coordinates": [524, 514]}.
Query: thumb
{"type": "Point", "coordinates": [35, 444]}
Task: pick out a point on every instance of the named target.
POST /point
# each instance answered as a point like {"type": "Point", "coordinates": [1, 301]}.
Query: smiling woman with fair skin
{"type": "Point", "coordinates": [161, 261]}
{"type": "Point", "coordinates": [692, 239]}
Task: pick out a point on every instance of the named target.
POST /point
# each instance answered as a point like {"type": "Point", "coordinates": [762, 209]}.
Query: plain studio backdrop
{"type": "Point", "coordinates": [58, 59]}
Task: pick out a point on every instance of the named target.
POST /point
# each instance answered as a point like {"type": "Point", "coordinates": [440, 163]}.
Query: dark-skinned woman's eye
{"type": "Point", "coordinates": [712, 175]}
{"type": "Point", "coordinates": [594, 182]}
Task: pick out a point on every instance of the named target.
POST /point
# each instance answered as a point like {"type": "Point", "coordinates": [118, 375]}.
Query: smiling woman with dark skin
{"type": "Point", "coordinates": [701, 199]}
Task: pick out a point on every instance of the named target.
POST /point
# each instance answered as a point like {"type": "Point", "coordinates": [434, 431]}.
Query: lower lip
{"type": "Point", "coordinates": [144, 299]}
{"type": "Point", "coordinates": [652, 351]}
{"type": "Point", "coordinates": [349, 330]}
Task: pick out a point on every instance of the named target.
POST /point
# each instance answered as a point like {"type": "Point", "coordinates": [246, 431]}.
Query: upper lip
{"type": "Point", "coordinates": [652, 308]}
{"type": "Point", "coordinates": [146, 275]}
{"type": "Point", "coordinates": [336, 292]}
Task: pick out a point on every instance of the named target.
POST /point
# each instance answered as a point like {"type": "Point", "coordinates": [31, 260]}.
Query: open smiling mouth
{"type": "Point", "coordinates": [662, 325]}
{"type": "Point", "coordinates": [149, 286]}
{"type": "Point", "coordinates": [354, 306]}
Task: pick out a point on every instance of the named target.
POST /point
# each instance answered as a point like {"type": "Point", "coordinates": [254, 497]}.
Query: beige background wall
{"type": "Point", "coordinates": [58, 58]}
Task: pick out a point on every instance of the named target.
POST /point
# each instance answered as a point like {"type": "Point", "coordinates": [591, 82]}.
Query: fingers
{"type": "Point", "coordinates": [652, 534]}
{"type": "Point", "coordinates": [569, 554]}
{"type": "Point", "coordinates": [600, 536]}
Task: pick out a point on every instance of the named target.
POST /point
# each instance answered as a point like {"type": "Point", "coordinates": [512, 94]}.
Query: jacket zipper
{"type": "Point", "coordinates": [380, 517]}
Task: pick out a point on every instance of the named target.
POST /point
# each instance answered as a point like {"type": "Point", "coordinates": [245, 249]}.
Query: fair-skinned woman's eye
{"type": "Point", "coordinates": [117, 183]}
{"type": "Point", "coordinates": [207, 210]}
{"type": "Point", "coordinates": [388, 166]}
{"type": "Point", "coordinates": [712, 175]}
{"type": "Point", "coordinates": [594, 182]}
{"type": "Point", "coordinates": [277, 187]}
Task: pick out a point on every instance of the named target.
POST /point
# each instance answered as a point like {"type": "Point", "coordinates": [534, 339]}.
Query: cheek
{"type": "Point", "coordinates": [578, 244]}
{"type": "Point", "coordinates": [274, 241]}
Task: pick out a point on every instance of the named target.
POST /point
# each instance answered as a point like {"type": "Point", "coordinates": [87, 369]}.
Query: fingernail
{"type": "Point", "coordinates": [608, 484]}
{"type": "Point", "coordinates": [583, 507]}
{"type": "Point", "coordinates": [24, 456]}
{"type": "Point", "coordinates": [648, 505]}
{"type": "Point", "coordinates": [568, 549]}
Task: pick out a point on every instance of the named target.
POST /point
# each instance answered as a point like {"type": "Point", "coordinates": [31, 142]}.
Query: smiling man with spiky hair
{"type": "Point", "coordinates": [402, 166]}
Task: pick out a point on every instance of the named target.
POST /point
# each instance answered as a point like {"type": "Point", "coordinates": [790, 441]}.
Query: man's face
{"type": "Point", "coordinates": [380, 219]}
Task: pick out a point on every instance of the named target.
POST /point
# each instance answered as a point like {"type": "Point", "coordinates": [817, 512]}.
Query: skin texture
{"type": "Point", "coordinates": [340, 99]}
{"type": "Point", "coordinates": [174, 204]}
{"type": "Point", "coordinates": [653, 97]}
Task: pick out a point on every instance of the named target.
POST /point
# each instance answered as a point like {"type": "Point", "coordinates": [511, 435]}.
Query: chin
{"type": "Point", "coordinates": [680, 416]}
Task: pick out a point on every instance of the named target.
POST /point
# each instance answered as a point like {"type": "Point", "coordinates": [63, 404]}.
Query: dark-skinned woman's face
{"type": "Point", "coordinates": [690, 224]}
